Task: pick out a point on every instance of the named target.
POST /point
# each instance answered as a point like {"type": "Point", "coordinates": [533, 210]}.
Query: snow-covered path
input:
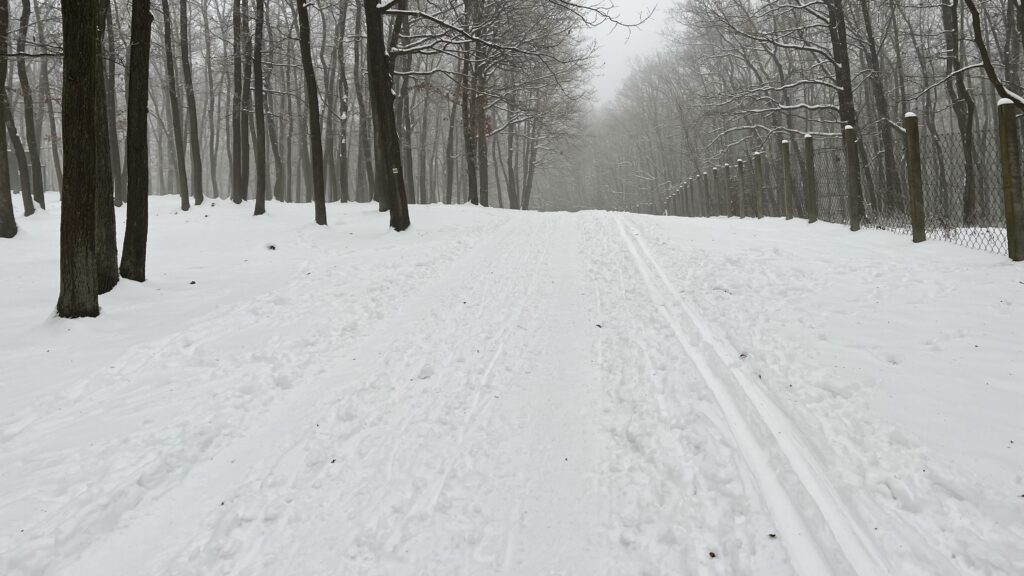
{"type": "Point", "coordinates": [506, 393]}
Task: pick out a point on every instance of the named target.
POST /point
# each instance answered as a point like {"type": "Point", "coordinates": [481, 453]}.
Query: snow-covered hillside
{"type": "Point", "coordinates": [495, 392]}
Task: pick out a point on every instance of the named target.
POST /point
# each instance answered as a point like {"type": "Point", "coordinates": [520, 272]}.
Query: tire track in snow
{"type": "Point", "coordinates": [805, 551]}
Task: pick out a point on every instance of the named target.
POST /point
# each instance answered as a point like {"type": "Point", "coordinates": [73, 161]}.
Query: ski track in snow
{"type": "Point", "coordinates": [520, 394]}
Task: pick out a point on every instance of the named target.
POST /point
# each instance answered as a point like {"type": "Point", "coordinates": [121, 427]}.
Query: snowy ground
{"type": "Point", "coordinates": [513, 393]}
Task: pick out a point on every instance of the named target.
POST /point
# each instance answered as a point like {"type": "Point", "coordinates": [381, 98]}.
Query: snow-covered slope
{"type": "Point", "coordinates": [513, 393]}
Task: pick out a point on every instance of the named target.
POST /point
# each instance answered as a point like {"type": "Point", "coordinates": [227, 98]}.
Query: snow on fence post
{"type": "Point", "coordinates": [810, 180]}
{"type": "Point", "coordinates": [787, 183]}
{"type": "Point", "coordinates": [914, 176]}
{"type": "Point", "coordinates": [689, 197]}
{"type": "Point", "coordinates": [1013, 196]}
{"type": "Point", "coordinates": [707, 195]}
{"type": "Point", "coordinates": [715, 190]}
{"type": "Point", "coordinates": [758, 185]}
{"type": "Point", "coordinates": [726, 194]}
{"type": "Point", "coordinates": [741, 187]}
{"type": "Point", "coordinates": [854, 194]}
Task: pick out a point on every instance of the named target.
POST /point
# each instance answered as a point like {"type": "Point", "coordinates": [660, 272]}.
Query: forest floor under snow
{"type": "Point", "coordinates": [496, 392]}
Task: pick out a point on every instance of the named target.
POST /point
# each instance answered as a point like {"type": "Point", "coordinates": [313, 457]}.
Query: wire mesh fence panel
{"type": "Point", "coordinates": [961, 206]}
{"type": "Point", "coordinates": [773, 190]}
{"type": "Point", "coordinates": [886, 198]}
{"type": "Point", "coordinates": [830, 171]}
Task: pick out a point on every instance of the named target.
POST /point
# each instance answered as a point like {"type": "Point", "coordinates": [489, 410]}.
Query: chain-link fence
{"type": "Point", "coordinates": [961, 183]}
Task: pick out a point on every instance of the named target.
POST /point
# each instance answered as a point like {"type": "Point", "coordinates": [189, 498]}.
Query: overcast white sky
{"type": "Point", "coordinates": [617, 47]}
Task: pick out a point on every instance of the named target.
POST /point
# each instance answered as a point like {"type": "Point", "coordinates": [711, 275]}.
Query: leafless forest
{"type": "Point", "coordinates": [401, 102]}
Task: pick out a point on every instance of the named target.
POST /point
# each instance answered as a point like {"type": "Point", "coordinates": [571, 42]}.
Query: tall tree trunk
{"type": "Point", "coordinates": [480, 126]}
{"type": "Point", "coordinates": [261, 127]}
{"type": "Point", "coordinates": [35, 183]}
{"type": "Point", "coordinates": [212, 99]}
{"type": "Point", "coordinates": [892, 181]}
{"type": "Point", "coordinates": [247, 123]}
{"type": "Point", "coordinates": [106, 229]}
{"type": "Point", "coordinates": [190, 100]}
{"type": "Point", "coordinates": [963, 107]}
{"type": "Point", "coordinates": [78, 288]}
{"type": "Point", "coordinates": [8, 226]}
{"type": "Point", "coordinates": [847, 109]}
{"type": "Point", "coordinates": [513, 183]}
{"type": "Point", "coordinates": [365, 156]}
{"type": "Point", "coordinates": [468, 90]}
{"type": "Point", "coordinates": [313, 106]}
{"type": "Point", "coordinates": [449, 155]}
{"type": "Point", "coordinates": [133, 256]}
{"type": "Point", "coordinates": [236, 103]}
{"type": "Point", "coordinates": [111, 102]}
{"type": "Point", "coordinates": [172, 103]}
{"type": "Point", "coordinates": [24, 175]}
{"type": "Point", "coordinates": [343, 186]}
{"type": "Point", "coordinates": [382, 100]}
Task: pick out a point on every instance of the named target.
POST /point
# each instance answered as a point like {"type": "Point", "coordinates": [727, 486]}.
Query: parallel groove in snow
{"type": "Point", "coordinates": [856, 544]}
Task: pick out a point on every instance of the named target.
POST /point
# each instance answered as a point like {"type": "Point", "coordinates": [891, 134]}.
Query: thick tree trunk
{"type": "Point", "coordinates": [313, 105]}
{"type": "Point", "coordinates": [382, 99]}
{"type": "Point", "coordinates": [342, 146]}
{"type": "Point", "coordinates": [133, 256]}
{"type": "Point", "coordinates": [190, 100]}
{"type": "Point", "coordinates": [78, 288]}
{"type": "Point", "coordinates": [106, 228]}
{"type": "Point", "coordinates": [172, 103]}
{"type": "Point", "coordinates": [8, 226]}
{"type": "Point", "coordinates": [261, 127]}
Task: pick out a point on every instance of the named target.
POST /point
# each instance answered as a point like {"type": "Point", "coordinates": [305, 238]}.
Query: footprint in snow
{"type": "Point", "coordinates": [426, 372]}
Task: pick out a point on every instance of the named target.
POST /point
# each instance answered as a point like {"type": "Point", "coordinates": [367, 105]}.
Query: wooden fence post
{"type": "Point", "coordinates": [811, 183]}
{"type": "Point", "coordinates": [741, 187]}
{"type": "Point", "coordinates": [787, 182]}
{"type": "Point", "coordinates": [726, 194]}
{"type": "Point", "coordinates": [914, 176]}
{"type": "Point", "coordinates": [1013, 196]}
{"type": "Point", "coordinates": [854, 194]}
{"type": "Point", "coordinates": [758, 185]}
{"type": "Point", "coordinates": [707, 195]}
{"type": "Point", "coordinates": [715, 188]}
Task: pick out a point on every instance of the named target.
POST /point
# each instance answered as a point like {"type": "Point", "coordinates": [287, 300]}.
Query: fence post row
{"type": "Point", "coordinates": [1009, 157]}
{"type": "Point", "coordinates": [914, 182]}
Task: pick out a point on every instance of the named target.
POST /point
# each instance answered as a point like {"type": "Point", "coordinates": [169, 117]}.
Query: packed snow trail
{"type": "Point", "coordinates": [512, 393]}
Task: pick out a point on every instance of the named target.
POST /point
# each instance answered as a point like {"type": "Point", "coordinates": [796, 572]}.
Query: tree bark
{"type": "Point", "coordinates": [190, 101]}
{"type": "Point", "coordinates": [78, 287]}
{"type": "Point", "coordinates": [35, 183]}
{"type": "Point", "coordinates": [313, 106]}
{"type": "Point", "coordinates": [172, 103]}
{"type": "Point", "coordinates": [236, 104]}
{"type": "Point", "coordinates": [8, 225]}
{"type": "Point", "coordinates": [261, 127]}
{"type": "Point", "coordinates": [382, 99]}
{"type": "Point", "coordinates": [133, 256]}
{"type": "Point", "coordinates": [106, 229]}
{"type": "Point", "coordinates": [111, 117]}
